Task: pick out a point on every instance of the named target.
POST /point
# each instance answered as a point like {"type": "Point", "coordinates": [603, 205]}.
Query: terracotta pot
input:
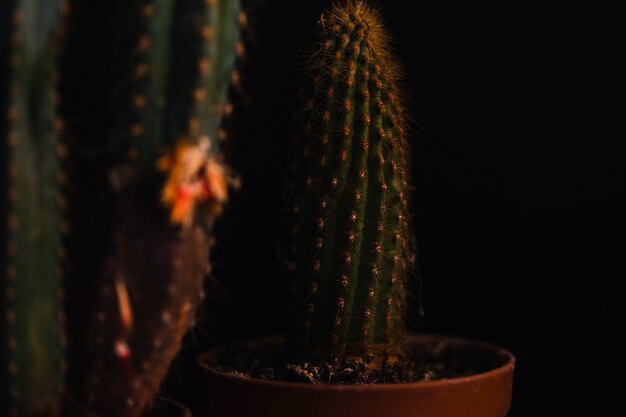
{"type": "Point", "coordinates": [163, 407]}
{"type": "Point", "coordinates": [484, 394]}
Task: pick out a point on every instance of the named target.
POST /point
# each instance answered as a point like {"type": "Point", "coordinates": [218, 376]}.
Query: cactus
{"type": "Point", "coordinates": [175, 62]}
{"type": "Point", "coordinates": [124, 217]}
{"type": "Point", "coordinates": [33, 333]}
{"type": "Point", "coordinates": [349, 245]}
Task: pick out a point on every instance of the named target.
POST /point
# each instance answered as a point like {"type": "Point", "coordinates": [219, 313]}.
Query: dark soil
{"type": "Point", "coordinates": [425, 361]}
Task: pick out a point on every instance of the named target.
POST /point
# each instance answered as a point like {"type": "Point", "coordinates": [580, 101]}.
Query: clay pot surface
{"type": "Point", "coordinates": [486, 393]}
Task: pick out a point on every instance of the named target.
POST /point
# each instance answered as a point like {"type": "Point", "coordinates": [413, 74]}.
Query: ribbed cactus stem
{"type": "Point", "coordinates": [220, 35]}
{"type": "Point", "coordinates": [172, 78]}
{"type": "Point", "coordinates": [183, 63]}
{"type": "Point", "coordinates": [30, 153]}
{"type": "Point", "coordinates": [149, 57]}
{"type": "Point", "coordinates": [351, 249]}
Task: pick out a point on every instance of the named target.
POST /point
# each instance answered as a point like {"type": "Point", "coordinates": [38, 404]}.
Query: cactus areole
{"type": "Point", "coordinates": [349, 239]}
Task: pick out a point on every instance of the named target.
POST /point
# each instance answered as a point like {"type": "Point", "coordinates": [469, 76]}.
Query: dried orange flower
{"type": "Point", "coordinates": [194, 180]}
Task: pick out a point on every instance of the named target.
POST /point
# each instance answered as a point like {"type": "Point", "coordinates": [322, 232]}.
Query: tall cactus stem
{"type": "Point", "coordinates": [350, 238]}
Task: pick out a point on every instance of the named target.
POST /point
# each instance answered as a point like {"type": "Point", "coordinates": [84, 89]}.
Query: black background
{"type": "Point", "coordinates": [519, 185]}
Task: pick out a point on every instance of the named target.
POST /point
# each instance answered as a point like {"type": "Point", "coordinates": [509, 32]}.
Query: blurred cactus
{"type": "Point", "coordinates": [161, 184]}
{"type": "Point", "coordinates": [32, 336]}
{"type": "Point", "coordinates": [175, 61]}
{"type": "Point", "coordinates": [350, 246]}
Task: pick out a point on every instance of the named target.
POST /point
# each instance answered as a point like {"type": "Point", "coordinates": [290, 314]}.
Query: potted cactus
{"type": "Point", "coordinates": [109, 187]}
{"type": "Point", "coordinates": [350, 253]}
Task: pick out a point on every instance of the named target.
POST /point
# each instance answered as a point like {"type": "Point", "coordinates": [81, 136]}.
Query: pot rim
{"type": "Point", "coordinates": [507, 367]}
{"type": "Point", "coordinates": [171, 403]}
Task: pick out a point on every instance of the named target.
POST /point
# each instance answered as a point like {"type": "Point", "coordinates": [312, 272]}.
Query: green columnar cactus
{"type": "Point", "coordinates": [175, 60]}
{"type": "Point", "coordinates": [33, 338]}
{"type": "Point", "coordinates": [350, 245]}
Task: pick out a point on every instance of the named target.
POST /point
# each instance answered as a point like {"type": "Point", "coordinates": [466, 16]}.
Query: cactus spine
{"type": "Point", "coordinates": [31, 273]}
{"type": "Point", "coordinates": [350, 241]}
